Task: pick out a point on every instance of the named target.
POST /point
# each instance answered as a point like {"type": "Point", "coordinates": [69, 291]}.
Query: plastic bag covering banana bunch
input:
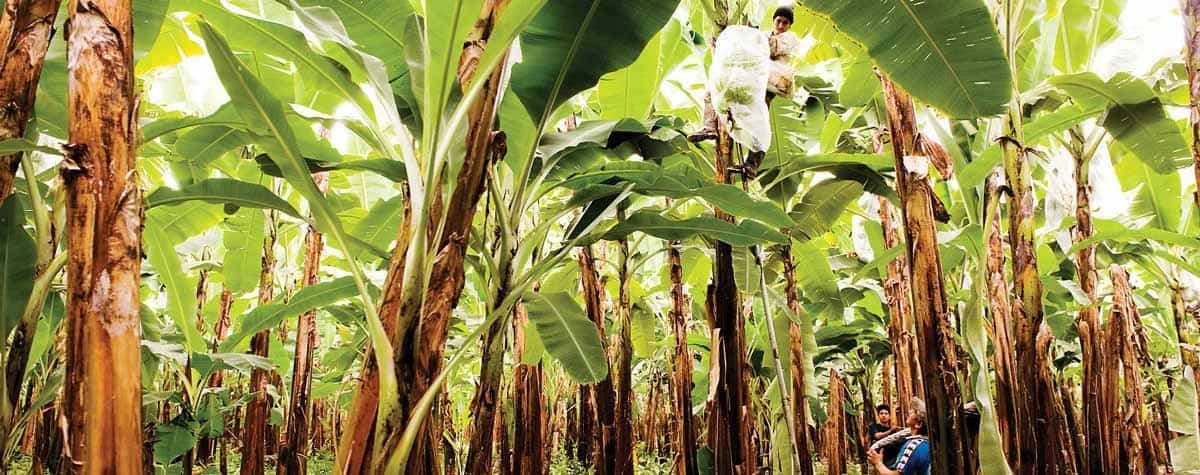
{"type": "Point", "coordinates": [738, 85]}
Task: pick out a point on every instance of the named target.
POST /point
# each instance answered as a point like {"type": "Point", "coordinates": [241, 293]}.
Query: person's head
{"type": "Point", "coordinates": [783, 19]}
{"type": "Point", "coordinates": [917, 417]}
{"type": "Point", "coordinates": [883, 414]}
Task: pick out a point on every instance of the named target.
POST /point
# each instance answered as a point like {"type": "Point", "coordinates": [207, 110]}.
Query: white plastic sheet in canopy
{"type": "Point", "coordinates": [738, 85]}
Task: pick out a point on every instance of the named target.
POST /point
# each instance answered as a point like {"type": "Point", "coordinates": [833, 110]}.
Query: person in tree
{"type": "Point", "coordinates": [783, 43]}
{"type": "Point", "coordinates": [883, 428]}
{"type": "Point", "coordinates": [914, 457]}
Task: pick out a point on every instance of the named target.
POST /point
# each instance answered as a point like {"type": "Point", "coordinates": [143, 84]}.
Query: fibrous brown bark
{"type": "Point", "coordinates": [799, 372]}
{"type": "Point", "coordinates": [1000, 310]}
{"type": "Point", "coordinates": [529, 433]}
{"type": "Point", "coordinates": [258, 410]}
{"type": "Point", "coordinates": [1141, 445]}
{"type": "Point", "coordinates": [835, 444]}
{"type": "Point", "coordinates": [683, 434]}
{"type": "Point", "coordinates": [1095, 426]}
{"type": "Point", "coordinates": [293, 452]}
{"type": "Point", "coordinates": [731, 413]}
{"type": "Point", "coordinates": [900, 321]}
{"type": "Point", "coordinates": [104, 223]}
{"type": "Point", "coordinates": [422, 364]}
{"type": "Point", "coordinates": [938, 353]}
{"type": "Point", "coordinates": [600, 396]}
{"type": "Point", "coordinates": [26, 27]}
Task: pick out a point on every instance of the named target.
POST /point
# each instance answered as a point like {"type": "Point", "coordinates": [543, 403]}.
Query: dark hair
{"type": "Point", "coordinates": [883, 407]}
{"type": "Point", "coordinates": [785, 12]}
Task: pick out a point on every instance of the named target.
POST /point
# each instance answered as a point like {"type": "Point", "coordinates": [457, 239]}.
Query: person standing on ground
{"type": "Point", "coordinates": [915, 456]}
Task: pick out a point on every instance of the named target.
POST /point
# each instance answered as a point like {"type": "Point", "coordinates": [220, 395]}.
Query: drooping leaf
{"type": "Point", "coordinates": [226, 191]}
{"type": "Point", "coordinates": [1135, 117]}
{"type": "Point", "coordinates": [946, 53]}
{"type": "Point", "coordinates": [11, 146]}
{"type": "Point", "coordinates": [271, 315]}
{"type": "Point", "coordinates": [568, 335]}
{"type": "Point", "coordinates": [822, 205]}
{"type": "Point", "coordinates": [1182, 418]}
{"type": "Point", "coordinates": [380, 225]}
{"type": "Point", "coordinates": [243, 239]}
{"type": "Point", "coordinates": [206, 363]}
{"type": "Point", "coordinates": [746, 233]}
{"type": "Point", "coordinates": [18, 265]}
{"type": "Point", "coordinates": [180, 287]}
{"type": "Point", "coordinates": [570, 44]}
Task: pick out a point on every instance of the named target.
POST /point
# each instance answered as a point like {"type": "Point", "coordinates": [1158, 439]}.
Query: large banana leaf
{"type": "Point", "coordinates": [822, 205]}
{"type": "Point", "coordinates": [226, 191]}
{"type": "Point", "coordinates": [745, 233]}
{"type": "Point", "coordinates": [180, 287]}
{"type": "Point", "coordinates": [243, 240]}
{"type": "Point", "coordinates": [568, 335]}
{"type": "Point", "coordinates": [1135, 117]}
{"type": "Point", "coordinates": [946, 53]}
{"type": "Point", "coordinates": [572, 43]}
{"type": "Point", "coordinates": [271, 315]}
{"type": "Point", "coordinates": [1182, 418]}
{"type": "Point", "coordinates": [1158, 197]}
{"type": "Point", "coordinates": [18, 262]}
{"type": "Point", "coordinates": [630, 91]}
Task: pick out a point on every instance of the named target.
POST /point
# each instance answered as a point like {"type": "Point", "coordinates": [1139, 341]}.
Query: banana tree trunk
{"type": "Point", "coordinates": [1004, 354]}
{"type": "Point", "coordinates": [1191, 17]}
{"type": "Point", "coordinates": [684, 430]}
{"type": "Point", "coordinates": [799, 371]}
{"type": "Point", "coordinates": [104, 222]}
{"type": "Point", "coordinates": [258, 410]}
{"type": "Point", "coordinates": [529, 434]}
{"type": "Point", "coordinates": [1141, 444]}
{"type": "Point", "coordinates": [487, 398]}
{"type": "Point", "coordinates": [26, 27]}
{"type": "Point", "coordinates": [601, 396]}
{"type": "Point", "coordinates": [354, 448]}
{"type": "Point", "coordinates": [622, 356]}
{"type": "Point", "coordinates": [835, 443]}
{"type": "Point", "coordinates": [1088, 321]}
{"type": "Point", "coordinates": [206, 448]}
{"type": "Point", "coordinates": [731, 412]}
{"type": "Point", "coordinates": [900, 325]}
{"type": "Point", "coordinates": [938, 352]}
{"type": "Point", "coordinates": [293, 453]}
{"type": "Point", "coordinates": [421, 365]}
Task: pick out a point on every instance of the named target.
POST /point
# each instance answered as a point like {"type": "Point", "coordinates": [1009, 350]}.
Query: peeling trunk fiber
{"type": "Point", "coordinates": [484, 407]}
{"type": "Point", "coordinates": [104, 224]}
{"type": "Point", "coordinates": [938, 352]}
{"type": "Point", "coordinates": [1004, 354]}
{"type": "Point", "coordinates": [1088, 324]}
{"type": "Point", "coordinates": [601, 395]}
{"type": "Point", "coordinates": [1041, 425]}
{"type": "Point", "coordinates": [258, 410]}
{"type": "Point", "coordinates": [799, 372]}
{"type": "Point", "coordinates": [1140, 439]}
{"type": "Point", "coordinates": [293, 453]}
{"type": "Point", "coordinates": [31, 24]}
{"type": "Point", "coordinates": [354, 448]}
{"type": "Point", "coordinates": [731, 414]}
{"type": "Point", "coordinates": [25, 30]}
{"type": "Point", "coordinates": [529, 434]}
{"type": "Point", "coordinates": [622, 357]}
{"type": "Point", "coordinates": [684, 432]}
{"type": "Point", "coordinates": [421, 365]}
{"type": "Point", "coordinates": [836, 445]}
{"type": "Point", "coordinates": [900, 326]}
{"type": "Point", "coordinates": [1191, 17]}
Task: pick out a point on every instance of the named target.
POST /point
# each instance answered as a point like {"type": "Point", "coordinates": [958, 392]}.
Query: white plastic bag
{"type": "Point", "coordinates": [738, 85]}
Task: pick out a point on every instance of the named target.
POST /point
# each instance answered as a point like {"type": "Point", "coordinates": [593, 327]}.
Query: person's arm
{"type": "Point", "coordinates": [881, 434]}
{"type": "Point", "coordinates": [876, 459]}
